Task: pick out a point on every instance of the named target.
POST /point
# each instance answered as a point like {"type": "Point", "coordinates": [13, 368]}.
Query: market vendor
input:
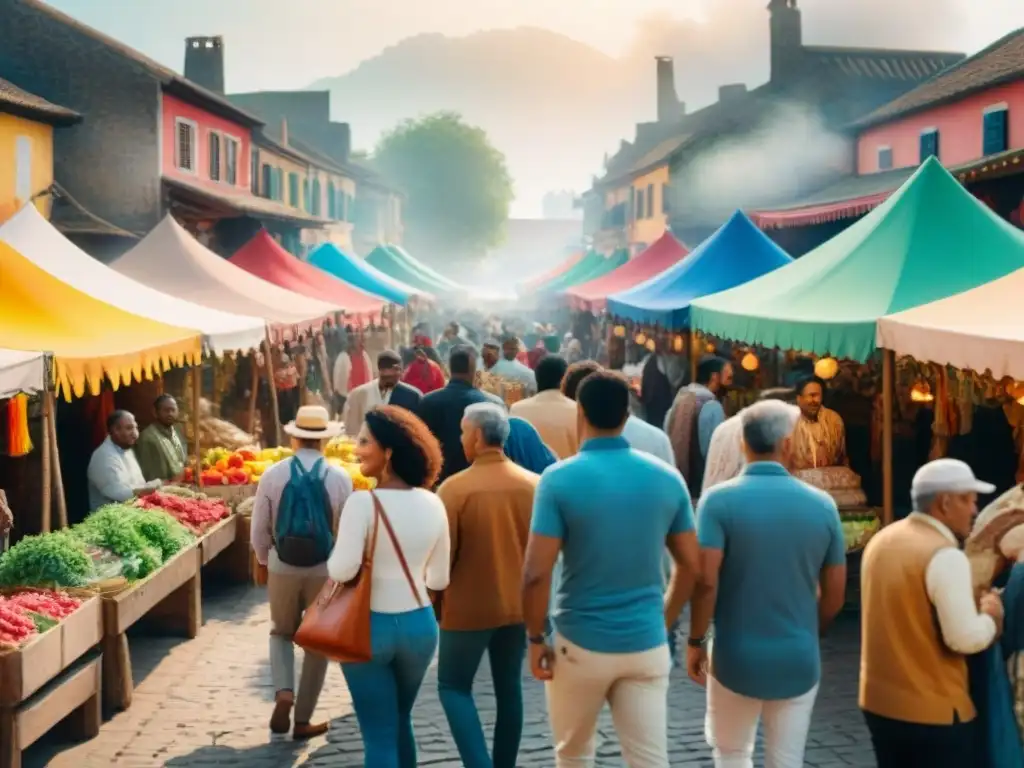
{"type": "Point", "coordinates": [114, 474]}
{"type": "Point", "coordinates": [509, 367]}
{"type": "Point", "coordinates": [160, 450]}
{"type": "Point", "coordinates": [819, 439]}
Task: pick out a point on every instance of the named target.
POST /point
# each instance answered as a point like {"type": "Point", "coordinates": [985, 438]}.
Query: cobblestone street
{"type": "Point", "coordinates": [206, 702]}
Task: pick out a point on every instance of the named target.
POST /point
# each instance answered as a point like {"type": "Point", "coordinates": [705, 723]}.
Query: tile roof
{"type": "Point", "coordinates": [167, 77]}
{"type": "Point", "coordinates": [1001, 62]}
{"type": "Point", "coordinates": [14, 99]}
{"type": "Point", "coordinates": [259, 207]}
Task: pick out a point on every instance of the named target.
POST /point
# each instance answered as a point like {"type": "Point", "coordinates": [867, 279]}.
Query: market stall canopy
{"type": "Point", "coordinates": [89, 339]}
{"type": "Point", "coordinates": [169, 259]}
{"type": "Point", "coordinates": [356, 272]}
{"type": "Point", "coordinates": [433, 274]}
{"type": "Point", "coordinates": [976, 330]}
{"type": "Point", "coordinates": [735, 254]}
{"type": "Point", "coordinates": [551, 274]}
{"type": "Point", "coordinates": [590, 267]}
{"type": "Point", "coordinates": [36, 239]}
{"type": "Point", "coordinates": [21, 372]}
{"type": "Point", "coordinates": [661, 255]}
{"type": "Point", "coordinates": [408, 272]}
{"type": "Point", "coordinates": [263, 257]}
{"type": "Point", "coordinates": [931, 239]}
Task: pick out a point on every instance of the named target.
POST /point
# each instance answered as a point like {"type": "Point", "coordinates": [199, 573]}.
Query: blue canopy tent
{"type": "Point", "coordinates": [356, 272]}
{"type": "Point", "coordinates": [737, 253]}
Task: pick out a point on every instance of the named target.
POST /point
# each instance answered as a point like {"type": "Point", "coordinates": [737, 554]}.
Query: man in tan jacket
{"type": "Point", "coordinates": [920, 620]}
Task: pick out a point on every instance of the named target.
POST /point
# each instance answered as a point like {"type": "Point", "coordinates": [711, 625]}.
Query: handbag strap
{"type": "Point", "coordinates": [398, 547]}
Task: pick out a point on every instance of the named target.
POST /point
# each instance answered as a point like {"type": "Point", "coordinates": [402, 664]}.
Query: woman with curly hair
{"type": "Point", "coordinates": [397, 450]}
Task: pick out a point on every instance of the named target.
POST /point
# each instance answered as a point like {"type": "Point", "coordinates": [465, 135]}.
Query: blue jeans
{"type": "Point", "coordinates": [384, 690]}
{"type": "Point", "coordinates": [457, 665]}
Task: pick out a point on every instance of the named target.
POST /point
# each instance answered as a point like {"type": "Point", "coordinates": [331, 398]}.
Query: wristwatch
{"type": "Point", "coordinates": [537, 639]}
{"type": "Point", "coordinates": [697, 642]}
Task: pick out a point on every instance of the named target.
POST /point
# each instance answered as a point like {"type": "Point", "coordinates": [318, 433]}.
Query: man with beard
{"type": "Point", "coordinates": [819, 439]}
{"type": "Point", "coordinates": [490, 354]}
{"type": "Point", "coordinates": [386, 389]}
{"type": "Point", "coordinates": [160, 450]}
{"type": "Point", "coordinates": [695, 415]}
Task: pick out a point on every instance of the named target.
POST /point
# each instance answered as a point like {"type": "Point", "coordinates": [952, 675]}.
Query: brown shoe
{"type": "Point", "coordinates": [309, 730]}
{"type": "Point", "coordinates": [281, 720]}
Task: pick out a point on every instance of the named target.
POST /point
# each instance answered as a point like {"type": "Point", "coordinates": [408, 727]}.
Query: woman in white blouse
{"type": "Point", "coordinates": [399, 452]}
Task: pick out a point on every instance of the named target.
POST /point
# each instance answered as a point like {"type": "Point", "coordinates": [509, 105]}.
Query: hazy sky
{"type": "Point", "coordinates": [280, 44]}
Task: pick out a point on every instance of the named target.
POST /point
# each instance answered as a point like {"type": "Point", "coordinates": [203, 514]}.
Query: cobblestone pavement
{"type": "Point", "coordinates": [206, 702]}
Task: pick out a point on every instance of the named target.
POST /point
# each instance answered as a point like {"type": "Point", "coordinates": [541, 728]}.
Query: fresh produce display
{"type": "Point", "coordinates": [25, 614]}
{"type": "Point", "coordinates": [195, 513]}
{"type": "Point", "coordinates": [58, 558]}
{"type": "Point", "coordinates": [341, 453]}
{"type": "Point", "coordinates": [224, 467]}
{"type": "Point", "coordinates": [112, 528]}
{"type": "Point", "coordinates": [857, 530]}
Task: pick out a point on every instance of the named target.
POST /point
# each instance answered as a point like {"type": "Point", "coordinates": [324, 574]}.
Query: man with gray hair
{"type": "Point", "coordinates": [920, 620]}
{"type": "Point", "coordinates": [489, 507]}
{"type": "Point", "coordinates": [767, 541]}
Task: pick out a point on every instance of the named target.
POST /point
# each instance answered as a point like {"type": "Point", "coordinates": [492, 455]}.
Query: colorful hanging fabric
{"type": "Point", "coordinates": [18, 441]}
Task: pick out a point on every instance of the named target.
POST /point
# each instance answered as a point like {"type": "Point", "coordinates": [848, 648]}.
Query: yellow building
{"type": "Point", "coordinates": [26, 148]}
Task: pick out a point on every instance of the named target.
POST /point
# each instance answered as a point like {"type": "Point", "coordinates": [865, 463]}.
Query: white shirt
{"type": "Point", "coordinates": [948, 581]}
{"type": "Point", "coordinates": [421, 526]}
{"type": "Point", "coordinates": [513, 369]}
{"type": "Point", "coordinates": [114, 474]}
{"type": "Point", "coordinates": [644, 437]}
{"type": "Point", "coordinates": [360, 401]}
{"type": "Point", "coordinates": [725, 453]}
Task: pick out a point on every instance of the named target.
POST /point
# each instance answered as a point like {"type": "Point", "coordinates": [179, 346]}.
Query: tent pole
{"type": "Point", "coordinates": [268, 364]}
{"type": "Point", "coordinates": [197, 388]}
{"type": "Point", "coordinates": [254, 390]}
{"type": "Point", "coordinates": [45, 518]}
{"type": "Point", "coordinates": [888, 366]}
{"type": "Point", "coordinates": [694, 357]}
{"type": "Point", "coordinates": [58, 476]}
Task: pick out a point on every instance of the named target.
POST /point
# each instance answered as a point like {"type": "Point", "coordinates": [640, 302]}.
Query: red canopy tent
{"type": "Point", "coordinates": [263, 257]}
{"type": "Point", "coordinates": [661, 255]}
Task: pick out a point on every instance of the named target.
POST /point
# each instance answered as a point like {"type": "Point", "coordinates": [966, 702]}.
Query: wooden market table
{"type": "Point", "coordinates": [170, 596]}
{"type": "Point", "coordinates": [49, 678]}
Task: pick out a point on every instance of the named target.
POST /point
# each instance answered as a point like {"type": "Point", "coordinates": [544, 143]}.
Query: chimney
{"type": "Point", "coordinates": [729, 93]}
{"type": "Point", "coordinates": [340, 141]}
{"type": "Point", "coordinates": [284, 131]}
{"type": "Point", "coordinates": [204, 62]}
{"type": "Point", "coordinates": [668, 99]}
{"type": "Point", "coordinates": [786, 39]}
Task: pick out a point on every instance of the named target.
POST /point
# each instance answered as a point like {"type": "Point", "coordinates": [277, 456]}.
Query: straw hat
{"type": "Point", "coordinates": [312, 422]}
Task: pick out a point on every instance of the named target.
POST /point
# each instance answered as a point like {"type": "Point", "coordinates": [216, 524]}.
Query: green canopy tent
{"type": "Point", "coordinates": [931, 239]}
{"type": "Point", "coordinates": [400, 253]}
{"type": "Point", "coordinates": [590, 267]}
{"type": "Point", "coordinates": [392, 264]}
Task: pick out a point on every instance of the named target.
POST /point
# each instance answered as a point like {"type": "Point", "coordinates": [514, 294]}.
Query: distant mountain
{"type": "Point", "coordinates": [553, 105]}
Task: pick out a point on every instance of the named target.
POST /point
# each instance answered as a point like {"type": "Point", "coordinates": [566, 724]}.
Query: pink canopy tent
{"type": "Point", "coordinates": [661, 255]}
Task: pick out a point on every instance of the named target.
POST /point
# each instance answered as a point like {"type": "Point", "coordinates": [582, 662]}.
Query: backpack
{"type": "Point", "coordinates": [303, 530]}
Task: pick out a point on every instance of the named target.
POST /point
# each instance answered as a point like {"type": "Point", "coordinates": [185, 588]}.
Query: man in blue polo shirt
{"type": "Point", "coordinates": [610, 510]}
{"type": "Point", "coordinates": [767, 542]}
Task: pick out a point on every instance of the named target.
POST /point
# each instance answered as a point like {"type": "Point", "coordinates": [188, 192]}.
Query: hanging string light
{"type": "Point", "coordinates": [750, 362]}
{"type": "Point", "coordinates": [677, 343]}
{"type": "Point", "coordinates": [619, 331]}
{"type": "Point", "coordinates": [826, 368]}
{"type": "Point", "coordinates": [651, 346]}
{"type": "Point", "coordinates": [921, 392]}
{"type": "Point", "coordinates": [640, 339]}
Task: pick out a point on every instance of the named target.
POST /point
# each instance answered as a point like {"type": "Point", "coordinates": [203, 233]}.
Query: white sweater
{"type": "Point", "coordinates": [421, 525]}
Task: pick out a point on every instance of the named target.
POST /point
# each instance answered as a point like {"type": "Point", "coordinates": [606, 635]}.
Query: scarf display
{"type": "Point", "coordinates": [19, 443]}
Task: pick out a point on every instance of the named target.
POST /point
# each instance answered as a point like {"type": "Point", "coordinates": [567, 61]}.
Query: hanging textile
{"type": "Point", "coordinates": [18, 441]}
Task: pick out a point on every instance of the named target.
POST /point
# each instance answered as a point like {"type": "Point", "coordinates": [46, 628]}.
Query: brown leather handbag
{"type": "Point", "coordinates": [337, 625]}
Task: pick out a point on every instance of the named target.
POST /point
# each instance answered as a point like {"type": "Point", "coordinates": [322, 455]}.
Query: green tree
{"type": "Point", "coordinates": [456, 182]}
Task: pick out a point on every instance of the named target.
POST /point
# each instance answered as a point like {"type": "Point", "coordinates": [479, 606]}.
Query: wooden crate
{"type": "Point", "coordinates": [75, 692]}
{"type": "Point", "coordinates": [170, 596]}
{"type": "Point", "coordinates": [232, 495]}
{"type": "Point", "coordinates": [30, 667]}
{"type": "Point", "coordinates": [218, 538]}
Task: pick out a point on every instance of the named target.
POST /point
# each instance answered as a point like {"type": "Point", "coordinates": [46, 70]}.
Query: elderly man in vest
{"type": "Point", "coordinates": [920, 621]}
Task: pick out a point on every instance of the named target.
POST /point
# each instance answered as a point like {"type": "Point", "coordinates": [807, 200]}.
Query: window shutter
{"type": "Point", "coordinates": [929, 145]}
{"type": "Point", "coordinates": [332, 201]}
{"type": "Point", "coordinates": [650, 201]}
{"type": "Point", "coordinates": [995, 132]}
{"type": "Point", "coordinates": [254, 171]}
{"type": "Point", "coordinates": [316, 197]}
{"type": "Point", "coordinates": [215, 157]}
{"type": "Point", "coordinates": [665, 207]}
{"type": "Point", "coordinates": [268, 181]}
{"type": "Point", "coordinates": [885, 159]}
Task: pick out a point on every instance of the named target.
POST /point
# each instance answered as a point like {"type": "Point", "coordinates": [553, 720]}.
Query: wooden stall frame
{"type": "Point", "coordinates": [888, 372]}
{"type": "Point", "coordinates": [173, 593]}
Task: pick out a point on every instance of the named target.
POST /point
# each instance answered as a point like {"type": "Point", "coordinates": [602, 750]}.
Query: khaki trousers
{"type": "Point", "coordinates": [289, 596]}
{"type": "Point", "coordinates": [635, 686]}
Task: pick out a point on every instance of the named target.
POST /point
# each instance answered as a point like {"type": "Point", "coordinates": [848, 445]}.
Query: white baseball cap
{"type": "Point", "coordinates": [947, 476]}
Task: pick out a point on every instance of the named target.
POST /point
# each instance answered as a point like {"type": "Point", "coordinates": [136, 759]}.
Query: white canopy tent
{"type": "Point", "coordinates": [37, 240]}
{"type": "Point", "coordinates": [21, 372]}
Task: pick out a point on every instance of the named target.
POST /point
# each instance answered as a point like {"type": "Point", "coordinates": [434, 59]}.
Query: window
{"type": "Point", "coordinates": [305, 195]}
{"type": "Point", "coordinates": [268, 181]}
{"type": "Point", "coordinates": [996, 137]}
{"type": "Point", "coordinates": [23, 169]}
{"type": "Point", "coordinates": [639, 204]}
{"type": "Point", "coordinates": [650, 201]}
{"type": "Point", "coordinates": [254, 171]}
{"type": "Point", "coordinates": [332, 201]}
{"type": "Point", "coordinates": [885, 158]}
{"type": "Point", "coordinates": [631, 205]}
{"type": "Point", "coordinates": [345, 211]}
{"type": "Point", "coordinates": [665, 198]}
{"type": "Point", "coordinates": [316, 197]}
{"type": "Point", "coordinates": [185, 145]}
{"type": "Point", "coordinates": [231, 160]}
{"type": "Point", "coordinates": [279, 185]}
{"type": "Point", "coordinates": [214, 156]}
{"type": "Point", "coordinates": [929, 143]}
{"type": "Point", "coordinates": [293, 190]}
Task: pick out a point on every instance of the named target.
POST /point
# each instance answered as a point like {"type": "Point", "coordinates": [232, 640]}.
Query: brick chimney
{"type": "Point", "coordinates": [204, 62]}
{"type": "Point", "coordinates": [786, 39]}
{"type": "Point", "coordinates": [669, 107]}
{"type": "Point", "coordinates": [284, 131]}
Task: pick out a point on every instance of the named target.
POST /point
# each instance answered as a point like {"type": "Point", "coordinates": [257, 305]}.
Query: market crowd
{"type": "Point", "coordinates": [571, 528]}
